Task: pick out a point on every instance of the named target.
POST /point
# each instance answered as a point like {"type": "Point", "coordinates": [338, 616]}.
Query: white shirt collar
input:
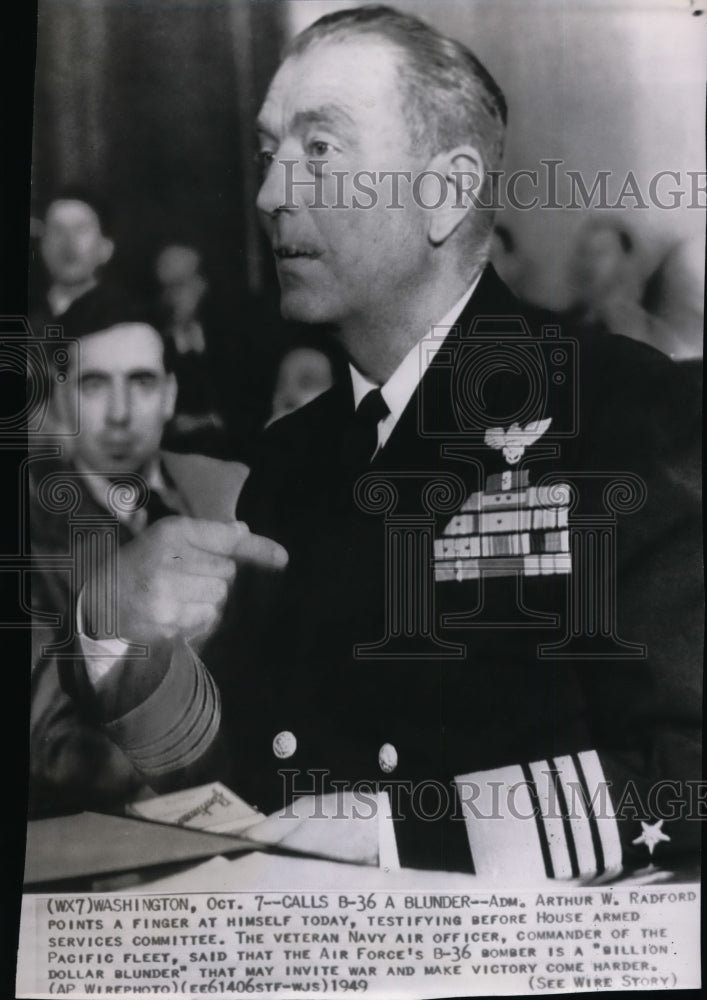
{"type": "Point", "coordinates": [398, 390]}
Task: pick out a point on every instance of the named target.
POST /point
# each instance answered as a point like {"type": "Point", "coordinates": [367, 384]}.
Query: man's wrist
{"type": "Point", "coordinates": [102, 654]}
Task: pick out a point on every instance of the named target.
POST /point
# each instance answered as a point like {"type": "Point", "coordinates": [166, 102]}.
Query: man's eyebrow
{"type": "Point", "coordinates": [332, 115]}
{"type": "Point", "coordinates": [262, 127]}
{"type": "Point", "coordinates": [105, 376]}
{"type": "Point", "coordinates": [326, 114]}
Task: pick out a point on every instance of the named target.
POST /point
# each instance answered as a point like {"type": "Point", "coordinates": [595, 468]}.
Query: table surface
{"type": "Point", "coordinates": [94, 852]}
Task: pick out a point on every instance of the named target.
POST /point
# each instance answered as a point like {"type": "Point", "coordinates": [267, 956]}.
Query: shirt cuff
{"type": "Point", "coordinates": [101, 656]}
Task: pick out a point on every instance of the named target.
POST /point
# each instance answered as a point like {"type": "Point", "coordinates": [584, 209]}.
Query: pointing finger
{"type": "Point", "coordinates": [261, 551]}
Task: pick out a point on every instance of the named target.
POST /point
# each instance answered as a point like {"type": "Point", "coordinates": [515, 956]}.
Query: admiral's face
{"type": "Point", "coordinates": [341, 251]}
{"type": "Point", "coordinates": [124, 396]}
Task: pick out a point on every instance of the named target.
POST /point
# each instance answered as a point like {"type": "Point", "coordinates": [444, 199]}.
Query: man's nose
{"type": "Point", "coordinates": [119, 404]}
{"type": "Point", "coordinates": [66, 243]}
{"type": "Point", "coordinates": [286, 185]}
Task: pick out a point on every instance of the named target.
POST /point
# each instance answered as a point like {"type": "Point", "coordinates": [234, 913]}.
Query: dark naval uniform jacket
{"type": "Point", "coordinates": [497, 620]}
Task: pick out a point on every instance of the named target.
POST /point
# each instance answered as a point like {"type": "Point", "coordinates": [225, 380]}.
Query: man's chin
{"type": "Point", "coordinates": [296, 307]}
{"type": "Point", "coordinates": [73, 279]}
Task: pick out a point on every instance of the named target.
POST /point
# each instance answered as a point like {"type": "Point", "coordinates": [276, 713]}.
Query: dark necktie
{"type": "Point", "coordinates": [356, 448]}
{"type": "Point", "coordinates": [364, 438]}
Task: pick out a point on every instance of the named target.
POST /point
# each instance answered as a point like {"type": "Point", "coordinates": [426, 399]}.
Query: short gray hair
{"type": "Point", "coordinates": [450, 98]}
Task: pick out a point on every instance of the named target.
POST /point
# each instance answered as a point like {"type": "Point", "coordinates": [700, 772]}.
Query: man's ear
{"type": "Point", "coordinates": [170, 396]}
{"type": "Point", "coordinates": [454, 191]}
{"type": "Point", "coordinates": [105, 251]}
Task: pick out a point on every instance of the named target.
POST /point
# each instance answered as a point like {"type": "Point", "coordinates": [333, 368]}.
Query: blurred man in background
{"type": "Point", "coordinates": [182, 287]}
{"type": "Point", "coordinates": [611, 293]}
{"type": "Point", "coordinates": [74, 245]}
{"type": "Point", "coordinates": [605, 277]}
{"type": "Point", "coordinates": [199, 420]}
{"type": "Point", "coordinates": [304, 373]}
{"type": "Point", "coordinates": [674, 300]}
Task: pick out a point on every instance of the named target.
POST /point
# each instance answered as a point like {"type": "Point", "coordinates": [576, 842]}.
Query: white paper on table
{"type": "Point", "coordinates": [214, 875]}
{"type": "Point", "coordinates": [333, 826]}
{"type": "Point", "coordinates": [309, 825]}
{"type": "Point", "coordinates": [212, 807]}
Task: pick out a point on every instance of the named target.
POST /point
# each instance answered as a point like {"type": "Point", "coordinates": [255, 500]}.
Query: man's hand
{"type": "Point", "coordinates": [173, 579]}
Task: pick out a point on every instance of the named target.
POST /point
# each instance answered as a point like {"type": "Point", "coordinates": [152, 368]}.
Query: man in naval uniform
{"type": "Point", "coordinates": [490, 593]}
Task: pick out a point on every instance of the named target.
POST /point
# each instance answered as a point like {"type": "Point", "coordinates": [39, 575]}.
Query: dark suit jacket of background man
{"type": "Point", "coordinates": [284, 657]}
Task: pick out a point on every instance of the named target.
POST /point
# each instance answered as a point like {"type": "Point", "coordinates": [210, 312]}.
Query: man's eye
{"type": "Point", "coordinates": [263, 159]}
{"type": "Point", "coordinates": [319, 148]}
{"type": "Point", "coordinates": [145, 380]}
{"type": "Point", "coordinates": [91, 384]}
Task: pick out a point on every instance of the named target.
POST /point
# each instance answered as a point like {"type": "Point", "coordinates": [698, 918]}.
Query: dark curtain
{"type": "Point", "coordinates": [153, 104]}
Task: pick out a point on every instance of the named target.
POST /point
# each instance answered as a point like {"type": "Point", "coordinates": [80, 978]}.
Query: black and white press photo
{"type": "Point", "coordinates": [362, 498]}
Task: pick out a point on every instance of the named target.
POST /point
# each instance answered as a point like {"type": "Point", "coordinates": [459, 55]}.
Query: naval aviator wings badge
{"type": "Point", "coordinates": [510, 527]}
{"type": "Point", "coordinates": [516, 439]}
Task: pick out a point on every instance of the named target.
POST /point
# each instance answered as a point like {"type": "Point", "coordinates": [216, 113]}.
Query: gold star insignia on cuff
{"type": "Point", "coordinates": [651, 835]}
